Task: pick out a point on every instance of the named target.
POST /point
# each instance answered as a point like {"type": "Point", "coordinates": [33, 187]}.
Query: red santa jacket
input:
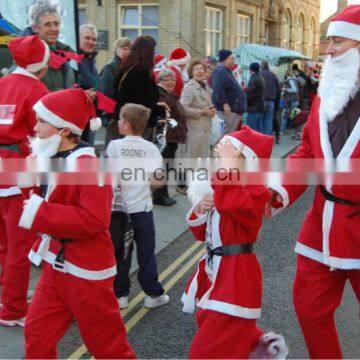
{"type": "Point", "coordinates": [328, 234]}
{"type": "Point", "coordinates": [179, 80]}
{"type": "Point", "coordinates": [18, 93]}
{"type": "Point", "coordinates": [228, 284]}
{"type": "Point", "coordinates": [80, 215]}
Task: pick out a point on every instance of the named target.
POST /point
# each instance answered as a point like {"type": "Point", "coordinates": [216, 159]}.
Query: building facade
{"type": "Point", "coordinates": [324, 42]}
{"type": "Point", "coordinates": [204, 26]}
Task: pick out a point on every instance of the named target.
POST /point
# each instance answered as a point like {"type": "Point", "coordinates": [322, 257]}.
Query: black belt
{"type": "Point", "coordinates": [229, 250]}
{"type": "Point", "coordinates": [60, 258]}
{"type": "Point", "coordinates": [331, 197]}
{"type": "Point", "coordinates": [11, 147]}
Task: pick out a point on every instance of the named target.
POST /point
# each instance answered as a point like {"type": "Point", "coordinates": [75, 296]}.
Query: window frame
{"type": "Point", "coordinates": [240, 35]}
{"type": "Point", "coordinates": [213, 33]}
{"type": "Point", "coordinates": [139, 27]}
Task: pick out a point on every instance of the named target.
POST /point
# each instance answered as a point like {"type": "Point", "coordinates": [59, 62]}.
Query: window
{"type": "Point", "coordinates": [300, 34]}
{"type": "Point", "coordinates": [82, 16]}
{"type": "Point", "coordinates": [243, 29]}
{"type": "Point", "coordinates": [312, 39]}
{"type": "Point", "coordinates": [136, 20]}
{"type": "Point", "coordinates": [213, 30]}
{"type": "Point", "coordinates": [287, 29]}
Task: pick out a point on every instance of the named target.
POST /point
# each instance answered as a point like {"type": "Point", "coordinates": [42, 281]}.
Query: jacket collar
{"type": "Point", "coordinates": [21, 71]}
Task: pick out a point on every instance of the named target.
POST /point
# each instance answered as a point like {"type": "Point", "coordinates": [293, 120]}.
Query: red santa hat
{"type": "Point", "coordinates": [159, 60]}
{"type": "Point", "coordinates": [179, 56]}
{"type": "Point", "coordinates": [346, 24]}
{"type": "Point", "coordinates": [30, 52]}
{"type": "Point", "coordinates": [255, 144]}
{"type": "Point", "coordinates": [70, 108]}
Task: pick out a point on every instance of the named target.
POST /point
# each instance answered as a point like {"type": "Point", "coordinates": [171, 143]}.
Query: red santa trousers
{"type": "Point", "coordinates": [59, 298]}
{"type": "Point", "coordinates": [222, 336]}
{"type": "Point", "coordinates": [317, 294]}
{"type": "Point", "coordinates": [15, 244]}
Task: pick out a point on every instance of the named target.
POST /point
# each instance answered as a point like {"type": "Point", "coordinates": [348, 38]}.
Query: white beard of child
{"type": "Point", "coordinates": [45, 148]}
{"type": "Point", "coordinates": [339, 83]}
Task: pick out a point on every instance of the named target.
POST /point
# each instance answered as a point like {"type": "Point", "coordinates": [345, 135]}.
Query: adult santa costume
{"type": "Point", "coordinates": [328, 246]}
{"type": "Point", "coordinates": [74, 248]}
{"type": "Point", "coordinates": [227, 285]}
{"type": "Point", "coordinates": [18, 93]}
{"type": "Point", "coordinates": [178, 60]}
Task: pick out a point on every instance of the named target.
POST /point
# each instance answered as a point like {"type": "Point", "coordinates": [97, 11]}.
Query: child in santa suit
{"type": "Point", "coordinates": [18, 93]}
{"type": "Point", "coordinates": [74, 248]}
{"type": "Point", "coordinates": [227, 285]}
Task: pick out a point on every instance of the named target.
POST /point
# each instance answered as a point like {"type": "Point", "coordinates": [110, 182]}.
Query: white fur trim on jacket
{"type": "Point", "coordinates": [200, 220]}
{"type": "Point", "coordinates": [30, 211]}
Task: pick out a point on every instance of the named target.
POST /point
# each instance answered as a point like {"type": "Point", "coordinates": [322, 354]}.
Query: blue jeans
{"type": "Point", "coordinates": [256, 121]}
{"type": "Point", "coordinates": [286, 114]}
{"type": "Point", "coordinates": [268, 117]}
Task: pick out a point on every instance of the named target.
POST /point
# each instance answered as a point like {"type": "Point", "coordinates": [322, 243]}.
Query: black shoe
{"type": "Point", "coordinates": [164, 201]}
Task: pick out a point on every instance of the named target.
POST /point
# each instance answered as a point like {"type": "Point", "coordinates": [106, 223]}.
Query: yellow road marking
{"type": "Point", "coordinates": [77, 354]}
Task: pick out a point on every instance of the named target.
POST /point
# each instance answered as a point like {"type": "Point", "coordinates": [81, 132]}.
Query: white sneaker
{"type": "Point", "coordinates": [153, 302]}
{"type": "Point", "coordinates": [12, 323]}
{"type": "Point", "coordinates": [123, 302]}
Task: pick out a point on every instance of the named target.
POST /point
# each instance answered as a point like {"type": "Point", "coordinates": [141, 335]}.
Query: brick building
{"type": "Point", "coordinates": [324, 42]}
{"type": "Point", "coordinates": [205, 26]}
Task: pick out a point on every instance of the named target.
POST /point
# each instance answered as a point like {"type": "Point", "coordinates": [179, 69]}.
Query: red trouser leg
{"type": "Point", "coordinates": [222, 336]}
{"type": "Point", "coordinates": [47, 321]}
{"type": "Point", "coordinates": [3, 245]}
{"type": "Point", "coordinates": [17, 265]}
{"type": "Point", "coordinates": [317, 294]}
{"type": "Point", "coordinates": [96, 311]}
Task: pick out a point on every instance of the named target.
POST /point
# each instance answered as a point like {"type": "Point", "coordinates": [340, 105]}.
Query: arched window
{"type": "Point", "coordinates": [300, 33]}
{"type": "Point", "coordinates": [312, 38]}
{"type": "Point", "coordinates": [287, 29]}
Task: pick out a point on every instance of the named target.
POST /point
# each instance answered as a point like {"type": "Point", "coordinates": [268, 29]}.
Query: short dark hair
{"type": "Point", "coordinates": [295, 67]}
{"type": "Point", "coordinates": [137, 115]}
{"type": "Point", "coordinates": [194, 63]}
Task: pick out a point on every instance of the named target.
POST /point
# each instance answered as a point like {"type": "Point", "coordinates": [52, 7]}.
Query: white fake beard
{"type": "Point", "coordinates": [339, 83]}
{"type": "Point", "coordinates": [45, 148]}
{"type": "Point", "coordinates": [197, 190]}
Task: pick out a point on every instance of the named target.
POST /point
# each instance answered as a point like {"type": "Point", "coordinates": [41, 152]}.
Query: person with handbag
{"type": "Point", "coordinates": [136, 83]}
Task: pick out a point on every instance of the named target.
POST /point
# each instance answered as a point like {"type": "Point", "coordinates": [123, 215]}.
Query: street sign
{"type": "Point", "coordinates": [103, 40]}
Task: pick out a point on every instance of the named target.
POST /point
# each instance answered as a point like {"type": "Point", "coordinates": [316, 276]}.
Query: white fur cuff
{"type": "Point", "coordinates": [30, 211]}
{"type": "Point", "coordinates": [200, 220]}
{"type": "Point", "coordinates": [284, 194]}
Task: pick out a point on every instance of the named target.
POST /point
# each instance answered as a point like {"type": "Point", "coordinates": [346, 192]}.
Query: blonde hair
{"type": "Point", "coordinates": [137, 115]}
{"type": "Point", "coordinates": [121, 42]}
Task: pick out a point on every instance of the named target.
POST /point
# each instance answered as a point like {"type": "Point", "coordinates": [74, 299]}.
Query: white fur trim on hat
{"type": "Point", "coordinates": [344, 29]}
{"type": "Point", "coordinates": [38, 66]}
{"type": "Point", "coordinates": [95, 124]}
{"type": "Point", "coordinates": [248, 152]}
{"type": "Point", "coordinates": [182, 61]}
{"type": "Point", "coordinates": [53, 119]}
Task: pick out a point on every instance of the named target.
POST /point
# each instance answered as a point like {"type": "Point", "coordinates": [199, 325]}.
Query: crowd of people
{"type": "Point", "coordinates": [157, 107]}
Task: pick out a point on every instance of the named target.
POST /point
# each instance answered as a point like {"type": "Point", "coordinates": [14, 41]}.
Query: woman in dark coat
{"type": "Point", "coordinates": [136, 82]}
{"type": "Point", "coordinates": [174, 136]}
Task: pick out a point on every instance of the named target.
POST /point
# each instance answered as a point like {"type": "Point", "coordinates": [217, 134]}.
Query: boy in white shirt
{"type": "Point", "coordinates": [138, 202]}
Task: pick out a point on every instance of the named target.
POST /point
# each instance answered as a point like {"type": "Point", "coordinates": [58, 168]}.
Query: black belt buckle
{"type": "Point", "coordinates": [59, 263]}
